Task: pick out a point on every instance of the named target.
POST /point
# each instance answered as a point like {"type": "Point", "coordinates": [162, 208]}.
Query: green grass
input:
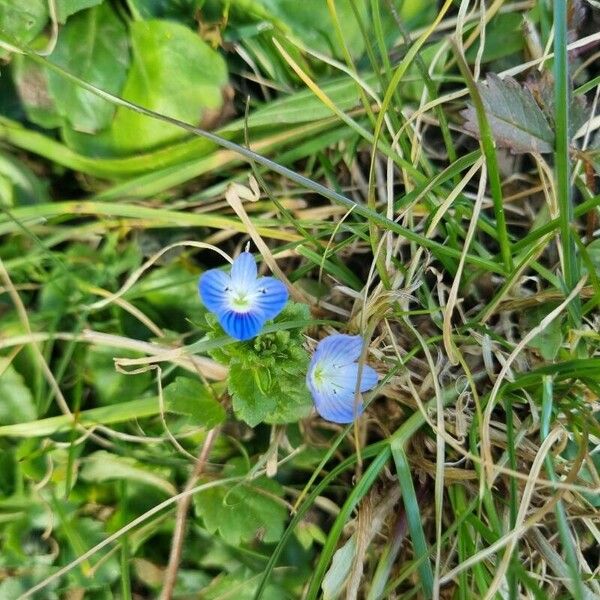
{"type": "Point", "coordinates": [469, 265]}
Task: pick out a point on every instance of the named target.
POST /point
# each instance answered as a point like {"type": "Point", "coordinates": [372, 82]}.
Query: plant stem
{"type": "Point", "coordinates": [181, 518]}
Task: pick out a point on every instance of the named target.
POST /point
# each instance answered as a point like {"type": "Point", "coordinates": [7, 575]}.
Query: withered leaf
{"type": "Point", "coordinates": [517, 122]}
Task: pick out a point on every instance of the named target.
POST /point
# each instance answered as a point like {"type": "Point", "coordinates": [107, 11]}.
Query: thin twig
{"type": "Point", "coordinates": [181, 517]}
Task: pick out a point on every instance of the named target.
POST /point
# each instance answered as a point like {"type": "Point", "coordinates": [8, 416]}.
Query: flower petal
{"type": "Point", "coordinates": [332, 378]}
{"type": "Point", "coordinates": [272, 296]}
{"type": "Point", "coordinates": [243, 272]}
{"type": "Point", "coordinates": [241, 325]}
{"type": "Point", "coordinates": [335, 405]}
{"type": "Point", "coordinates": [339, 349]}
{"type": "Point", "coordinates": [212, 287]}
{"type": "Point", "coordinates": [346, 376]}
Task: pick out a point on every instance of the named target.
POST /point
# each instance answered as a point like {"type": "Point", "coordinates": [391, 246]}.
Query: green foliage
{"type": "Point", "coordinates": [109, 385]}
{"type": "Point", "coordinates": [516, 120]}
{"type": "Point", "coordinates": [104, 466]}
{"type": "Point", "coordinates": [19, 185]}
{"type": "Point", "coordinates": [16, 404]}
{"type": "Point", "coordinates": [174, 73]}
{"type": "Point", "coordinates": [23, 20]}
{"type": "Point", "coordinates": [66, 8]}
{"type": "Point", "coordinates": [187, 396]}
{"type": "Point", "coordinates": [31, 82]}
{"type": "Point", "coordinates": [243, 512]}
{"type": "Point", "coordinates": [266, 375]}
{"type": "Point", "coordinates": [102, 59]}
{"type": "Point", "coordinates": [89, 190]}
{"type": "Point", "coordinates": [181, 10]}
{"type": "Point", "coordinates": [315, 27]}
{"type": "Point", "coordinates": [549, 341]}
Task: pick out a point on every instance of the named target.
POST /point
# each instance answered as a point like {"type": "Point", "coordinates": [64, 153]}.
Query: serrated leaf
{"type": "Point", "coordinates": [103, 466]}
{"type": "Point", "coordinates": [266, 374]}
{"type": "Point", "coordinates": [249, 388]}
{"type": "Point", "coordinates": [243, 512]}
{"type": "Point", "coordinates": [187, 396]}
{"type": "Point", "coordinates": [542, 89]}
{"type": "Point", "coordinates": [240, 585]}
{"type": "Point", "coordinates": [175, 73]}
{"type": "Point", "coordinates": [516, 121]}
{"type": "Point", "coordinates": [92, 45]}
{"type": "Point", "coordinates": [16, 399]}
{"type": "Point", "coordinates": [294, 401]}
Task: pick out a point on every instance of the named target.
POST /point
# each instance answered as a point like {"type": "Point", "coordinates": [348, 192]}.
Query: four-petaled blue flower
{"type": "Point", "coordinates": [242, 301]}
{"type": "Point", "coordinates": [332, 377]}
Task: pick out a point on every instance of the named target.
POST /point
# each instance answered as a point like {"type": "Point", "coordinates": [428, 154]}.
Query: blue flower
{"type": "Point", "coordinates": [332, 377]}
{"type": "Point", "coordinates": [242, 301]}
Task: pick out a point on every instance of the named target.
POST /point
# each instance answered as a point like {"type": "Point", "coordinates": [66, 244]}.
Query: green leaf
{"type": "Point", "coordinates": [312, 23]}
{"type": "Point", "coordinates": [593, 249]}
{"type": "Point", "coordinates": [93, 45]}
{"type": "Point", "coordinates": [249, 388]}
{"type": "Point", "coordinates": [31, 82]}
{"type": "Point", "coordinates": [174, 73]}
{"type": "Point", "coordinates": [187, 396]}
{"type": "Point", "coordinates": [549, 341]}
{"type": "Point", "coordinates": [110, 385]}
{"type": "Point", "coordinates": [66, 8]}
{"type": "Point", "coordinates": [182, 10]}
{"type": "Point", "coordinates": [16, 400]}
{"type": "Point", "coordinates": [517, 122]}
{"type": "Point", "coordinates": [25, 187]}
{"type": "Point", "coordinates": [103, 466]}
{"type": "Point", "coordinates": [239, 585]}
{"type": "Point", "coordinates": [267, 374]}
{"type": "Point", "coordinates": [243, 512]}
{"type": "Point", "coordinates": [294, 401]}
{"type": "Point", "coordinates": [542, 89]}
{"type": "Point", "coordinates": [22, 20]}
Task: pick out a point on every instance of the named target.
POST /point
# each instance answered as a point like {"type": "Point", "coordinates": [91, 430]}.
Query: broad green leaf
{"type": "Point", "coordinates": [66, 8]}
{"type": "Point", "coordinates": [22, 20]}
{"type": "Point", "coordinates": [549, 341]}
{"type": "Point", "coordinates": [517, 122]}
{"type": "Point", "coordinates": [181, 10]}
{"type": "Point", "coordinates": [243, 512]}
{"type": "Point", "coordinates": [93, 45]}
{"type": "Point", "coordinates": [311, 22]}
{"type": "Point", "coordinates": [174, 73]}
{"type": "Point", "coordinates": [25, 186]}
{"type": "Point", "coordinates": [503, 37]}
{"type": "Point", "coordinates": [109, 385]}
{"type": "Point", "coordinates": [16, 400]}
{"type": "Point", "coordinates": [103, 466]}
{"type": "Point", "coordinates": [240, 585]}
{"type": "Point", "coordinates": [249, 387]}
{"type": "Point", "coordinates": [31, 82]}
{"type": "Point", "coordinates": [190, 397]}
